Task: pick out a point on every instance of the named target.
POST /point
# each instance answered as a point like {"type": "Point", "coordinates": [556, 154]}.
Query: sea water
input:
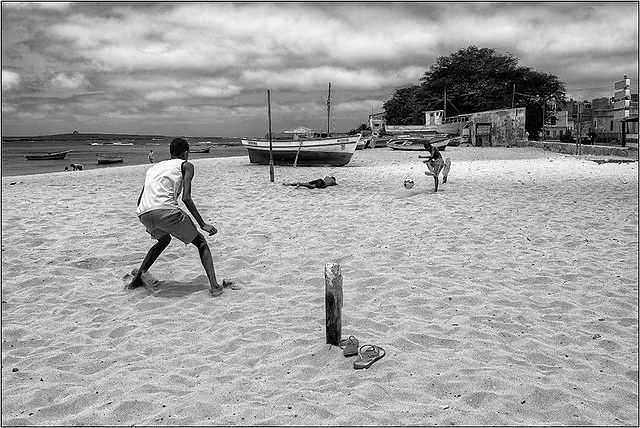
{"type": "Point", "coordinates": [15, 163]}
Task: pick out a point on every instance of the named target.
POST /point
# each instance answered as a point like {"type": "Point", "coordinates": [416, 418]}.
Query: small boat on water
{"type": "Point", "coordinates": [198, 150]}
{"type": "Point", "coordinates": [107, 159]}
{"type": "Point", "coordinates": [122, 143]}
{"type": "Point", "coordinates": [49, 156]}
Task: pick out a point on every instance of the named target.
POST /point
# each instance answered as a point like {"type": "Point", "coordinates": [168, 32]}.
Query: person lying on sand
{"type": "Point", "coordinates": [435, 164]}
{"type": "Point", "coordinates": [158, 211]}
{"type": "Point", "coordinates": [74, 167]}
{"type": "Point", "coordinates": [319, 183]}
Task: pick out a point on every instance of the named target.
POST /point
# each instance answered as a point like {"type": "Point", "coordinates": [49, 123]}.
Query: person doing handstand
{"type": "Point", "coordinates": [158, 211]}
{"type": "Point", "coordinates": [435, 164]}
{"type": "Point", "coordinates": [319, 183]}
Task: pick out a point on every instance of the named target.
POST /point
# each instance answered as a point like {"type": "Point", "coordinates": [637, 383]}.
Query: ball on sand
{"type": "Point", "coordinates": [408, 183]}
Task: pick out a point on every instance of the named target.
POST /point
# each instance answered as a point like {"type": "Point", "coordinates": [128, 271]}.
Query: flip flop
{"type": "Point", "coordinates": [350, 346]}
{"type": "Point", "coordinates": [231, 283]}
{"type": "Point", "coordinates": [368, 356]}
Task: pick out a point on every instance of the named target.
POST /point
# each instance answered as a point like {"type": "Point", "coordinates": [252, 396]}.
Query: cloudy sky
{"type": "Point", "coordinates": [203, 69]}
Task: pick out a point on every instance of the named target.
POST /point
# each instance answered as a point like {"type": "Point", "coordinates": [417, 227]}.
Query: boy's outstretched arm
{"type": "Point", "coordinates": [140, 197]}
{"type": "Point", "coordinates": [187, 171]}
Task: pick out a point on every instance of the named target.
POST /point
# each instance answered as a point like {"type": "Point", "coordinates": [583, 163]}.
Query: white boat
{"type": "Point", "coordinates": [335, 151]}
{"type": "Point", "coordinates": [407, 142]}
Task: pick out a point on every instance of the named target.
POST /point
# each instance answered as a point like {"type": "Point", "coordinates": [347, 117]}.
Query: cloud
{"type": "Point", "coordinates": [10, 80]}
{"type": "Point", "coordinates": [173, 63]}
{"type": "Point", "coordinates": [68, 81]}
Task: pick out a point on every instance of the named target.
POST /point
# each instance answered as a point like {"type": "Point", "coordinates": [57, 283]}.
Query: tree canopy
{"type": "Point", "coordinates": [475, 79]}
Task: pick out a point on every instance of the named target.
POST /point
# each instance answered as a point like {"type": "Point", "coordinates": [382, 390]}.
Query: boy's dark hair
{"type": "Point", "coordinates": [427, 145]}
{"type": "Point", "coordinates": [178, 146]}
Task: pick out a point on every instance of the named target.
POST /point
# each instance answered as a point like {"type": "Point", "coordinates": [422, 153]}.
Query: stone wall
{"type": "Point", "coordinates": [570, 148]}
{"type": "Point", "coordinates": [507, 127]}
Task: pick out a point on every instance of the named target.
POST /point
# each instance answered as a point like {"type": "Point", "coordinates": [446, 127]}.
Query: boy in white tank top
{"type": "Point", "coordinates": [159, 212]}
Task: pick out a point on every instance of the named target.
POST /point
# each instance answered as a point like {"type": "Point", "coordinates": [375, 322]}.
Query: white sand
{"type": "Point", "coordinates": [510, 297]}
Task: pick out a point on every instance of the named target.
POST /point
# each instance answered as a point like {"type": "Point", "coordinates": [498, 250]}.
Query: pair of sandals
{"type": "Point", "coordinates": [367, 354]}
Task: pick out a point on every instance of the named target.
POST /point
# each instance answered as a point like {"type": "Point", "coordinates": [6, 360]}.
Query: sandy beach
{"type": "Point", "coordinates": [510, 297]}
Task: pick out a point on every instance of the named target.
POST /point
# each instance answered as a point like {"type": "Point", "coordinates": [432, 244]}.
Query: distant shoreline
{"type": "Point", "coordinates": [96, 136]}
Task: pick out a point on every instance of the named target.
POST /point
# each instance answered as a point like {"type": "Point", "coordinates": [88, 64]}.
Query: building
{"type": "Point", "coordinates": [603, 123]}
{"type": "Point", "coordinates": [376, 122]}
{"type": "Point", "coordinates": [502, 127]}
{"type": "Point", "coordinates": [615, 119]}
{"type": "Point", "coordinates": [293, 134]}
{"type": "Point", "coordinates": [558, 125]}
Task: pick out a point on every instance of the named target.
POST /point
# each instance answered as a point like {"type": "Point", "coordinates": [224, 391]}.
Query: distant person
{"type": "Point", "coordinates": [150, 156]}
{"type": "Point", "coordinates": [74, 167]}
{"type": "Point", "coordinates": [319, 183]}
{"type": "Point", "coordinates": [435, 164]}
{"type": "Point", "coordinates": [158, 211]}
{"type": "Point", "coordinates": [592, 137]}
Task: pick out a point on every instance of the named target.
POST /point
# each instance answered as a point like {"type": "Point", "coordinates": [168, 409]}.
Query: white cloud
{"type": "Point", "coordinates": [68, 81]}
{"type": "Point", "coordinates": [10, 80]}
{"type": "Point", "coordinates": [194, 57]}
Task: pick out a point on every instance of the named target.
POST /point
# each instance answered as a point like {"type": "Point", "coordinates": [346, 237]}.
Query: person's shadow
{"type": "Point", "coordinates": [177, 289]}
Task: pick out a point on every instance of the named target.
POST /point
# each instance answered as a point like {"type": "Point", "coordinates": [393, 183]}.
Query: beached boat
{"type": "Point", "coordinates": [331, 150]}
{"type": "Point", "coordinates": [440, 141]}
{"type": "Point", "coordinates": [335, 151]}
{"type": "Point", "coordinates": [107, 159]}
{"type": "Point", "coordinates": [49, 156]}
{"type": "Point", "coordinates": [377, 141]}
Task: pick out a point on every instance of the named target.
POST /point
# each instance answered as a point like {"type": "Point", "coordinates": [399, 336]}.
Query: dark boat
{"type": "Point", "coordinates": [106, 159]}
{"type": "Point", "coordinates": [200, 150]}
{"type": "Point", "coordinates": [49, 156]}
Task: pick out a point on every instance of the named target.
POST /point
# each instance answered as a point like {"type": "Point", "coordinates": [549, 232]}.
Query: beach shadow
{"type": "Point", "coordinates": [178, 289]}
{"type": "Point", "coordinates": [415, 192]}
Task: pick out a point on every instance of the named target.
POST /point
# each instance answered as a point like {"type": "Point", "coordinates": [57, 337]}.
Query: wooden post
{"type": "Point", "coordinates": [333, 302]}
{"type": "Point", "coordinates": [271, 172]}
{"type": "Point", "coordinates": [295, 161]}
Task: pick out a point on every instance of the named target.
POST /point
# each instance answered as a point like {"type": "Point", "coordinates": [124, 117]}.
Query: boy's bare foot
{"type": "Point", "coordinates": [135, 283]}
{"type": "Point", "coordinates": [144, 280]}
{"type": "Point", "coordinates": [216, 291]}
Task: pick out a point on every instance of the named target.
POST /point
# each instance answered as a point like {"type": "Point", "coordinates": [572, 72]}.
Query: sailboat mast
{"type": "Point", "coordinates": [444, 116]}
{"type": "Point", "coordinates": [328, 109]}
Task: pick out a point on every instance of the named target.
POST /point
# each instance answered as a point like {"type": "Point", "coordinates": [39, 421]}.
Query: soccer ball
{"type": "Point", "coordinates": [408, 183]}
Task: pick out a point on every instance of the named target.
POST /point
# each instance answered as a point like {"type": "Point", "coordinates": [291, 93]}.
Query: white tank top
{"type": "Point", "coordinates": [162, 186]}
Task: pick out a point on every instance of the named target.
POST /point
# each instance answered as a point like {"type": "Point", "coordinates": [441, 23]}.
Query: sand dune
{"type": "Point", "coordinates": [510, 297]}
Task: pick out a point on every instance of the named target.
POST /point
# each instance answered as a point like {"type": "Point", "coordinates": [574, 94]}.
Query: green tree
{"type": "Point", "coordinates": [360, 128]}
{"type": "Point", "coordinates": [475, 79]}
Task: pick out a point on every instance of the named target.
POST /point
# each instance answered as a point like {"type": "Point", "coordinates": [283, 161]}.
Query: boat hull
{"type": "Point", "coordinates": [103, 161]}
{"type": "Point", "coordinates": [440, 144]}
{"type": "Point", "coordinates": [49, 156]}
{"type": "Point", "coordinates": [329, 151]}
